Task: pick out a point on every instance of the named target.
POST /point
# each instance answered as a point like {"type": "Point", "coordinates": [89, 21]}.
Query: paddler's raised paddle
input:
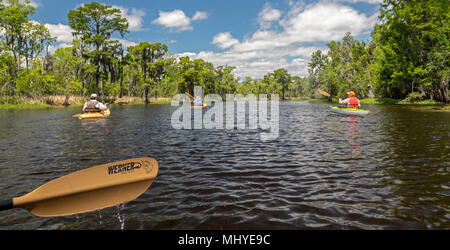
{"type": "Point", "coordinates": [323, 92]}
{"type": "Point", "coordinates": [189, 95]}
{"type": "Point", "coordinates": [89, 189]}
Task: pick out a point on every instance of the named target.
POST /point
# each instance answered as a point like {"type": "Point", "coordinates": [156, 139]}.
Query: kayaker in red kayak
{"type": "Point", "coordinates": [351, 101]}
{"type": "Point", "coordinates": [93, 105]}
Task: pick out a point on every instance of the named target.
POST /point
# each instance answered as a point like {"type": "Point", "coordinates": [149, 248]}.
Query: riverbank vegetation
{"type": "Point", "coordinates": [399, 101]}
{"type": "Point", "coordinates": [407, 59]}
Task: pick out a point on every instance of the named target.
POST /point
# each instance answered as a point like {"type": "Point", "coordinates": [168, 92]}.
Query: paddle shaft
{"type": "Point", "coordinates": [189, 95]}
{"type": "Point", "coordinates": [6, 204]}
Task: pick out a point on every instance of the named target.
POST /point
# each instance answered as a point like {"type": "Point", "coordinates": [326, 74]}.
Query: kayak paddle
{"type": "Point", "coordinates": [89, 189]}
{"type": "Point", "coordinates": [323, 92]}
{"type": "Point", "coordinates": [189, 95]}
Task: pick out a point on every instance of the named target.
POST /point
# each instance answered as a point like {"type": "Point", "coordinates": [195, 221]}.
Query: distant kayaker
{"type": "Point", "coordinates": [93, 105]}
{"type": "Point", "coordinates": [351, 101]}
{"type": "Point", "coordinates": [198, 102]}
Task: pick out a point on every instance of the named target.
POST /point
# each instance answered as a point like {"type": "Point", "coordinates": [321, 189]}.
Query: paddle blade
{"type": "Point", "coordinates": [91, 189]}
{"type": "Point", "coordinates": [323, 92]}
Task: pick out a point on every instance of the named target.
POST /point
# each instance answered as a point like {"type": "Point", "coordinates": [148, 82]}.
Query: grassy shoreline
{"type": "Point", "coordinates": [377, 101]}
{"type": "Point", "coordinates": [303, 99]}
{"type": "Point", "coordinates": [25, 106]}
{"type": "Point", "coordinates": [74, 101]}
{"type": "Point", "coordinates": [399, 101]}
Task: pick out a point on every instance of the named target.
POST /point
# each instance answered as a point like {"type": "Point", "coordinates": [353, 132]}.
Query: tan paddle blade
{"type": "Point", "coordinates": [323, 92]}
{"type": "Point", "coordinates": [189, 95]}
{"type": "Point", "coordinates": [91, 189]}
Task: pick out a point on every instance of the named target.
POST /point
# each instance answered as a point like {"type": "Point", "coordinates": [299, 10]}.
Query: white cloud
{"type": "Point", "coordinates": [224, 40]}
{"type": "Point", "coordinates": [62, 32]}
{"type": "Point", "coordinates": [177, 21]}
{"type": "Point", "coordinates": [359, 1]}
{"type": "Point", "coordinates": [267, 16]}
{"type": "Point", "coordinates": [174, 20]}
{"type": "Point", "coordinates": [126, 43]}
{"type": "Point", "coordinates": [199, 15]}
{"type": "Point", "coordinates": [325, 22]}
{"type": "Point", "coordinates": [33, 3]}
{"type": "Point", "coordinates": [53, 48]}
{"type": "Point", "coordinates": [64, 38]}
{"type": "Point", "coordinates": [134, 17]}
{"type": "Point", "coordinates": [301, 31]}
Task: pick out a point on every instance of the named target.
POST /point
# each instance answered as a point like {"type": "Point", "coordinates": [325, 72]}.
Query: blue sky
{"type": "Point", "coordinates": [255, 36]}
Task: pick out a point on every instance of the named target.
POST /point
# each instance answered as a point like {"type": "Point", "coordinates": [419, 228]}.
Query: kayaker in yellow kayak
{"type": "Point", "coordinates": [351, 101]}
{"type": "Point", "coordinates": [198, 102]}
{"type": "Point", "coordinates": [93, 105]}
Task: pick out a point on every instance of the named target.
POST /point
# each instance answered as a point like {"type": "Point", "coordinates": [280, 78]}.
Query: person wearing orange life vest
{"type": "Point", "coordinates": [351, 101]}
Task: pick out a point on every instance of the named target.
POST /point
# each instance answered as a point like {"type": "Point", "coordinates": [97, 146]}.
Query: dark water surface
{"type": "Point", "coordinates": [387, 170]}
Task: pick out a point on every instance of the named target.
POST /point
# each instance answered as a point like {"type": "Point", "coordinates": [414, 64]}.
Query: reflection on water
{"type": "Point", "coordinates": [354, 142]}
{"type": "Point", "coordinates": [387, 170]}
{"type": "Point", "coordinates": [354, 136]}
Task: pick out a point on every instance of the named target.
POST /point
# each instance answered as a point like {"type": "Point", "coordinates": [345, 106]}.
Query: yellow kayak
{"type": "Point", "coordinates": [350, 111]}
{"type": "Point", "coordinates": [94, 115]}
{"type": "Point", "coordinates": [200, 107]}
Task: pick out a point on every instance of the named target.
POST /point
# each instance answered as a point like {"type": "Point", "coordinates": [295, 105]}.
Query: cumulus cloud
{"type": "Point", "coordinates": [224, 40]}
{"type": "Point", "coordinates": [174, 20]}
{"type": "Point", "coordinates": [126, 43]}
{"type": "Point", "coordinates": [134, 17]}
{"type": "Point", "coordinates": [199, 15]}
{"type": "Point", "coordinates": [324, 22]}
{"type": "Point", "coordinates": [34, 3]}
{"type": "Point", "coordinates": [63, 35]}
{"type": "Point", "coordinates": [62, 32]}
{"type": "Point", "coordinates": [301, 31]}
{"type": "Point", "coordinates": [177, 21]}
{"type": "Point", "coordinates": [361, 1]}
{"type": "Point", "coordinates": [268, 15]}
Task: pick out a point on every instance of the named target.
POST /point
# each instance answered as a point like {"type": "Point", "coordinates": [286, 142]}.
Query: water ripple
{"type": "Point", "coordinates": [324, 171]}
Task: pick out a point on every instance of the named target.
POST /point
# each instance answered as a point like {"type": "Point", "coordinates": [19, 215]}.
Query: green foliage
{"type": "Point", "coordinates": [37, 83]}
{"type": "Point", "coordinates": [414, 97]}
{"type": "Point", "coordinates": [348, 65]}
{"type": "Point", "coordinates": [23, 106]}
{"type": "Point", "coordinates": [10, 100]}
{"type": "Point", "coordinates": [379, 101]}
{"type": "Point", "coordinates": [408, 58]}
{"type": "Point", "coordinates": [413, 48]}
{"type": "Point", "coordinates": [94, 24]}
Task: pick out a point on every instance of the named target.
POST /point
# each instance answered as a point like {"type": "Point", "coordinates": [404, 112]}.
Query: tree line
{"type": "Point", "coordinates": [408, 55]}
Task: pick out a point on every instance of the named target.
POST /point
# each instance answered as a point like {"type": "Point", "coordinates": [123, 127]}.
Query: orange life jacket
{"type": "Point", "coordinates": [353, 103]}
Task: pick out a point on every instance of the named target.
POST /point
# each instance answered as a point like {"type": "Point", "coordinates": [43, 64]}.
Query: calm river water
{"type": "Point", "coordinates": [387, 170]}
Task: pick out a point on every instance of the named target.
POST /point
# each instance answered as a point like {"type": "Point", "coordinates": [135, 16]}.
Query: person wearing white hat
{"type": "Point", "coordinates": [198, 101]}
{"type": "Point", "coordinates": [93, 105]}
